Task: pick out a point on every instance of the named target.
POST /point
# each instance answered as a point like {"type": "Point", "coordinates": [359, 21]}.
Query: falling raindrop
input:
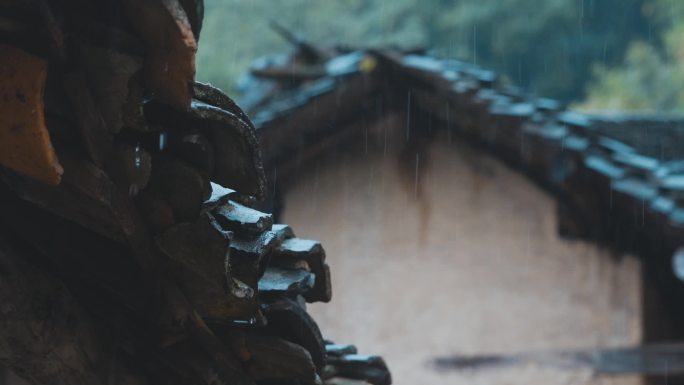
{"type": "Point", "coordinates": [415, 182]}
{"type": "Point", "coordinates": [371, 177]}
{"type": "Point", "coordinates": [162, 141]}
{"type": "Point", "coordinates": [678, 263]}
{"type": "Point", "coordinates": [605, 49]}
{"type": "Point", "coordinates": [408, 116]}
{"type": "Point", "coordinates": [448, 121]}
{"type": "Point", "coordinates": [475, 44]}
{"type": "Point", "coordinates": [610, 206]}
{"type": "Point", "coordinates": [274, 190]}
{"type": "Point", "coordinates": [316, 185]}
{"type": "Point", "coordinates": [137, 156]}
{"type": "Point", "coordinates": [384, 145]}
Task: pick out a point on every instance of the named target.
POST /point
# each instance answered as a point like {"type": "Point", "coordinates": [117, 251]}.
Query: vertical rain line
{"type": "Point", "coordinates": [408, 116]}
{"type": "Point", "coordinates": [273, 191]}
{"type": "Point", "coordinates": [315, 194]}
{"type": "Point", "coordinates": [370, 179]}
{"type": "Point", "coordinates": [383, 124]}
{"type": "Point", "coordinates": [611, 196]}
{"type": "Point", "coordinates": [643, 213]}
{"type": "Point", "coordinates": [384, 144]}
{"type": "Point", "coordinates": [581, 19]}
{"type": "Point", "coordinates": [605, 50]}
{"type": "Point", "coordinates": [448, 119]}
{"type": "Point", "coordinates": [475, 44]}
{"type": "Point", "coordinates": [522, 146]}
{"type": "Point", "coordinates": [415, 182]}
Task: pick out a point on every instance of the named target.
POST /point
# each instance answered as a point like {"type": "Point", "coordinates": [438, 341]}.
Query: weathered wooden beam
{"type": "Point", "coordinates": [277, 359]}
{"type": "Point", "coordinates": [285, 282]}
{"type": "Point", "coordinates": [199, 252]}
{"type": "Point", "coordinates": [289, 320]}
{"type": "Point", "coordinates": [70, 348]}
{"type": "Point", "coordinates": [242, 220]}
{"type": "Point", "coordinates": [294, 249]}
{"type": "Point", "coordinates": [237, 163]}
{"type": "Point", "coordinates": [169, 64]}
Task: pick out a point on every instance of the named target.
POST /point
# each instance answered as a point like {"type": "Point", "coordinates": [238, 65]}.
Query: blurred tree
{"type": "Point", "coordinates": [645, 82]}
{"type": "Point", "coordinates": [652, 76]}
{"type": "Point", "coordinates": [547, 46]}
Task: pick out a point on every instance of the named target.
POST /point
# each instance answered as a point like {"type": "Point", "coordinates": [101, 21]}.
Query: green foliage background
{"type": "Point", "coordinates": [651, 78]}
{"type": "Point", "coordinates": [599, 54]}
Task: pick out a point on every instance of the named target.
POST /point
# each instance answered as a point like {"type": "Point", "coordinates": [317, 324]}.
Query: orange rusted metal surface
{"type": "Point", "coordinates": [25, 144]}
